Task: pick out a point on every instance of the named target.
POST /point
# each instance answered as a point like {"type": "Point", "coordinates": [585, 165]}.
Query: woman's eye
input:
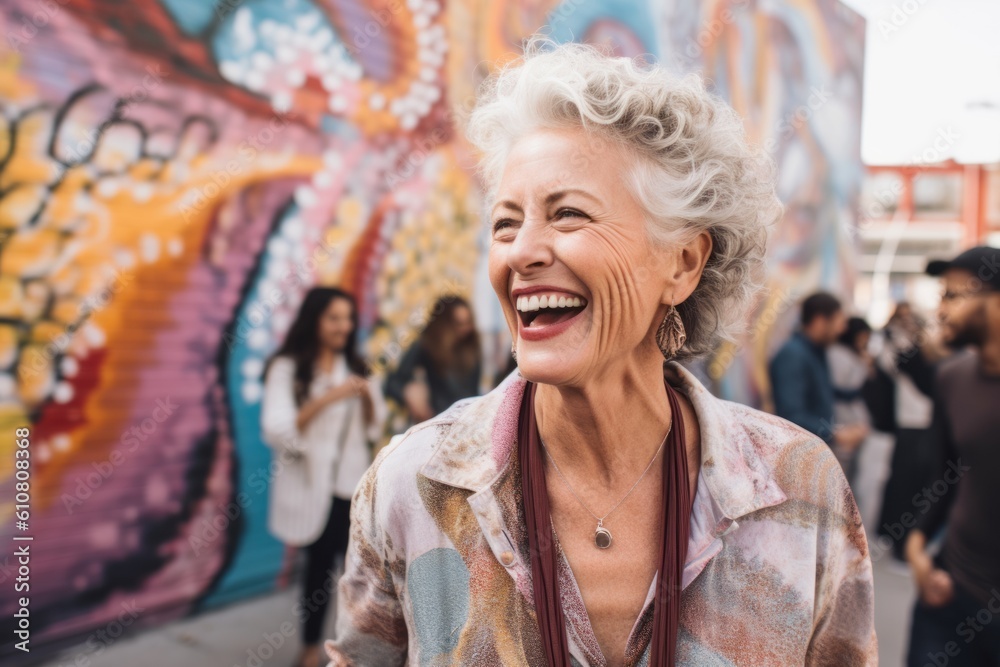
{"type": "Point", "coordinates": [501, 224]}
{"type": "Point", "coordinates": [569, 213]}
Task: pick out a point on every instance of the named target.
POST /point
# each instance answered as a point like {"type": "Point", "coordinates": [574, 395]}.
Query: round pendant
{"type": "Point", "coordinates": [602, 537]}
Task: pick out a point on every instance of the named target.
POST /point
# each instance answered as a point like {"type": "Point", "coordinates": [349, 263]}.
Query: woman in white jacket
{"type": "Point", "coordinates": [320, 411]}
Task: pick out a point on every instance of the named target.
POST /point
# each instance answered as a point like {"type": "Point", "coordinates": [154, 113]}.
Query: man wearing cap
{"type": "Point", "coordinates": [956, 620]}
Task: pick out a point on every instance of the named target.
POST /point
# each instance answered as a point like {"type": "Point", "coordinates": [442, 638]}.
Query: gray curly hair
{"type": "Point", "coordinates": [696, 169]}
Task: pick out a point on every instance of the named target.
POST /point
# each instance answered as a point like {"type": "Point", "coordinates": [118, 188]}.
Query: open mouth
{"type": "Point", "coordinates": [542, 310]}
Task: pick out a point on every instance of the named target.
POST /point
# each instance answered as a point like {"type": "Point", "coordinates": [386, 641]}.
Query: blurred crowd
{"type": "Point", "coordinates": [912, 413]}
{"type": "Point", "coordinates": [868, 394]}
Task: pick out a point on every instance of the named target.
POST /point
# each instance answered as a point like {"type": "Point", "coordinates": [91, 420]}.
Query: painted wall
{"type": "Point", "coordinates": [174, 174]}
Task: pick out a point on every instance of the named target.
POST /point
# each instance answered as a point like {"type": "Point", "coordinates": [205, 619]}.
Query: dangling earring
{"type": "Point", "coordinates": [513, 350]}
{"type": "Point", "coordinates": [670, 336]}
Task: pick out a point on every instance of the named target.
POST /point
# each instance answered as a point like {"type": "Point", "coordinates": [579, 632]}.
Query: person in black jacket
{"type": "Point", "coordinates": [909, 359]}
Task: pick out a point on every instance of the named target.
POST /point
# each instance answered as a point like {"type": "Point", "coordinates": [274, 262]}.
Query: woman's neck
{"type": "Point", "coordinates": [327, 357]}
{"type": "Point", "coordinates": [609, 428]}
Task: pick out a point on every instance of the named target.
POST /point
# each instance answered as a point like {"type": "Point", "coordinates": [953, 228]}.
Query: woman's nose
{"type": "Point", "coordinates": [531, 247]}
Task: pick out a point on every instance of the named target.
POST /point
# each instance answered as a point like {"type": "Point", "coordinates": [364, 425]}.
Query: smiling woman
{"type": "Point", "coordinates": [601, 507]}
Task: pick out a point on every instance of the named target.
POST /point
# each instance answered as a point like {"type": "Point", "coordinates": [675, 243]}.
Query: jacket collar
{"type": "Point", "coordinates": [478, 446]}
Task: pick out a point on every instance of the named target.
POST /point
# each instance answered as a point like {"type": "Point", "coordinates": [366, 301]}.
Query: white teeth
{"type": "Point", "coordinates": [526, 304]}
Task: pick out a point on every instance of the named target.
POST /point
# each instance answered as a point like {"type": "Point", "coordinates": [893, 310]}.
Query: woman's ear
{"type": "Point", "coordinates": [688, 265]}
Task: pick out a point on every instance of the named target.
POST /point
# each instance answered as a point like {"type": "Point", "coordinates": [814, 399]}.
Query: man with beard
{"type": "Point", "coordinates": [956, 620]}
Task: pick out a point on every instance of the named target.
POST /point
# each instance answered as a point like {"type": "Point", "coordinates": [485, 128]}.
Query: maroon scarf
{"type": "Point", "coordinates": [673, 545]}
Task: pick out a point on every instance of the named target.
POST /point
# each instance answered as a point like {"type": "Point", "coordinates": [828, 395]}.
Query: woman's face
{"type": "Point", "coordinates": [862, 341]}
{"type": "Point", "coordinates": [461, 321]}
{"type": "Point", "coordinates": [335, 324]}
{"type": "Point", "coordinates": [567, 231]}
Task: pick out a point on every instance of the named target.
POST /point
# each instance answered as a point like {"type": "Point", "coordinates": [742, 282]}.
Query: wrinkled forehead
{"type": "Point", "coordinates": [548, 160]}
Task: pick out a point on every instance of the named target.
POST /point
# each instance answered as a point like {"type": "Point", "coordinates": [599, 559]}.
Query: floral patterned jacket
{"type": "Point", "coordinates": [777, 571]}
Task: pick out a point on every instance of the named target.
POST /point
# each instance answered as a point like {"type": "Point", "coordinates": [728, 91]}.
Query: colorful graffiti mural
{"type": "Point", "coordinates": [174, 174]}
{"type": "Point", "coordinates": [793, 70]}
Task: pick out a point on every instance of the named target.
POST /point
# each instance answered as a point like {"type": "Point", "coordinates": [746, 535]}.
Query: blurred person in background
{"type": "Point", "coordinates": [628, 219]}
{"type": "Point", "coordinates": [800, 376]}
{"type": "Point", "coordinates": [443, 366]}
{"type": "Point", "coordinates": [956, 620]}
{"type": "Point", "coordinates": [319, 413]}
{"type": "Point", "coordinates": [908, 357]}
{"type": "Point", "coordinates": [852, 368]}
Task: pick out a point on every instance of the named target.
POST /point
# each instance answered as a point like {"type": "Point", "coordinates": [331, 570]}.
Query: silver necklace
{"type": "Point", "coordinates": [602, 536]}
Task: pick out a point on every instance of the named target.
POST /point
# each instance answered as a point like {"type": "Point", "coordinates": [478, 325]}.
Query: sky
{"type": "Point", "coordinates": [932, 81]}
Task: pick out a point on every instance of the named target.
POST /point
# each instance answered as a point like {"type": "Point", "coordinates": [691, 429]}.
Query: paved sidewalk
{"type": "Point", "coordinates": [894, 597]}
{"type": "Point", "coordinates": [262, 632]}
{"type": "Point", "coordinates": [259, 632]}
